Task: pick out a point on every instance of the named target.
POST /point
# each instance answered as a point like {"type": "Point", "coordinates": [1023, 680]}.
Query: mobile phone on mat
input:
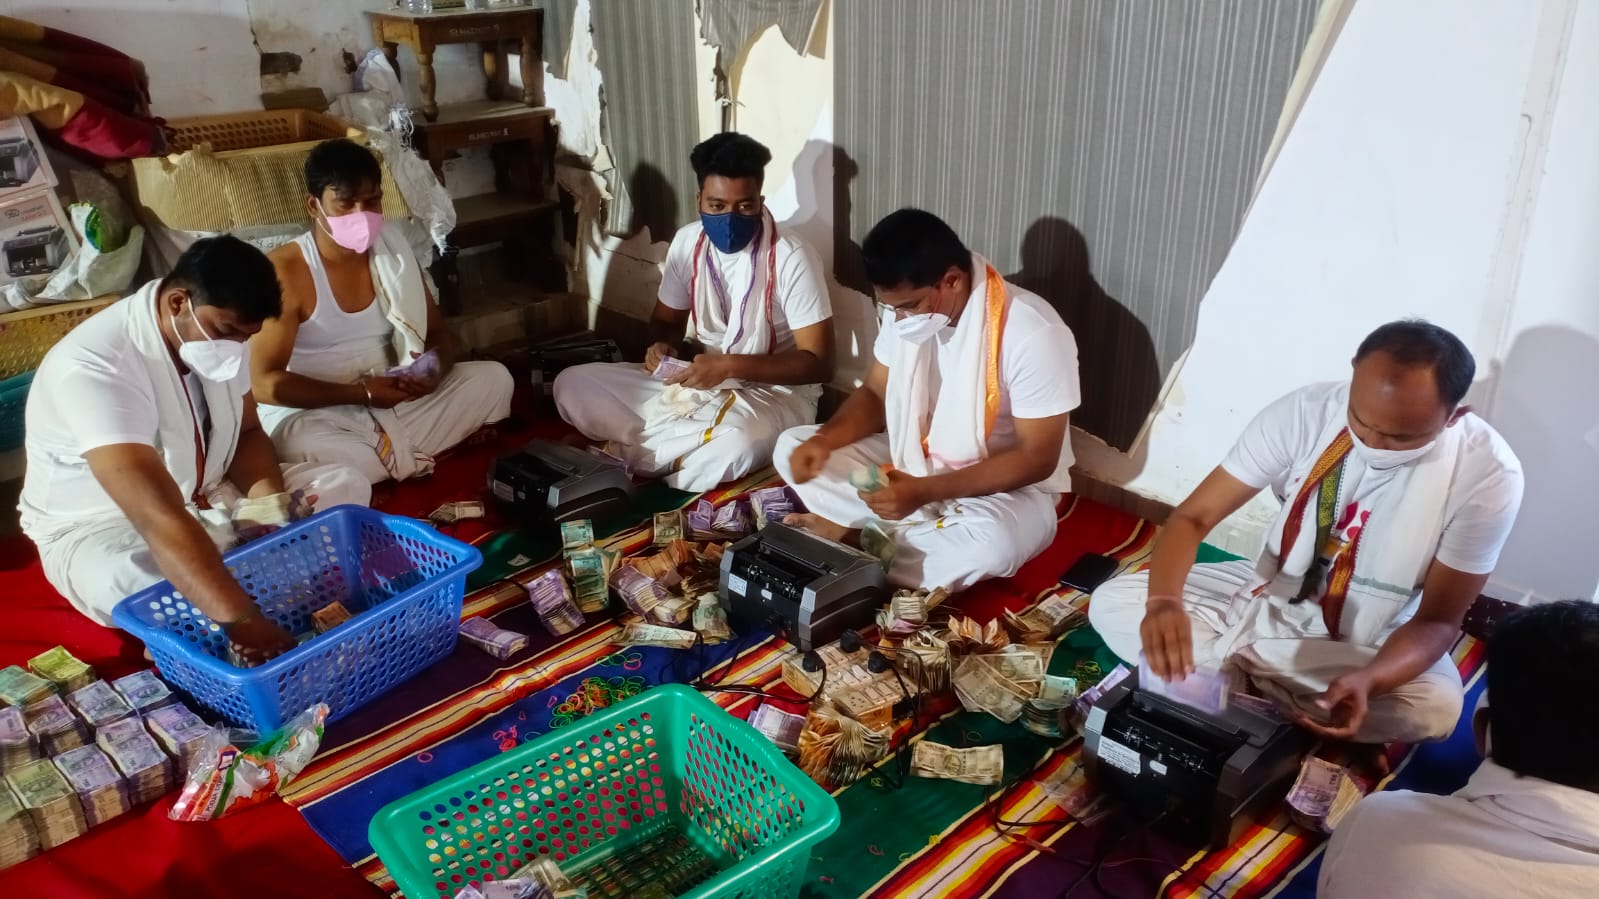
{"type": "Point", "coordinates": [1089, 571]}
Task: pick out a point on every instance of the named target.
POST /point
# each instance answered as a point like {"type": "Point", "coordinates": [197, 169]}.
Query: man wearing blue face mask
{"type": "Point", "coordinates": [758, 303]}
{"type": "Point", "coordinates": [962, 421]}
{"type": "Point", "coordinates": [1396, 502]}
{"type": "Point", "coordinates": [143, 438]}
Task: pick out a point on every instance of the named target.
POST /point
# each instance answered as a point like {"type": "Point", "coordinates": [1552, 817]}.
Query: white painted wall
{"type": "Point", "coordinates": [1410, 185]}
{"type": "Point", "coordinates": [199, 53]}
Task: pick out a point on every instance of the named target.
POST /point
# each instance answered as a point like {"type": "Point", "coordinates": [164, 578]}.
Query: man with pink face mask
{"type": "Point", "coordinates": [962, 421]}
{"type": "Point", "coordinates": [1395, 503]}
{"type": "Point", "coordinates": [143, 437]}
{"type": "Point", "coordinates": [359, 368]}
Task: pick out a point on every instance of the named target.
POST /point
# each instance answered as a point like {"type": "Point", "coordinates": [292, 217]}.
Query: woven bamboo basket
{"type": "Point", "coordinates": [239, 170]}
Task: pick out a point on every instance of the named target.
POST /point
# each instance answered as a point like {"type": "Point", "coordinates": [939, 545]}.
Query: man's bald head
{"type": "Point", "coordinates": [1409, 379]}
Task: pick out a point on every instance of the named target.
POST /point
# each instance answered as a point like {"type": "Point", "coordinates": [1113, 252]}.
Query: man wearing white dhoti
{"type": "Point", "coordinates": [965, 413]}
{"type": "Point", "coordinates": [359, 368]}
{"type": "Point", "coordinates": [1527, 823]}
{"type": "Point", "coordinates": [142, 437]}
{"type": "Point", "coordinates": [761, 314]}
{"type": "Point", "coordinates": [1396, 502]}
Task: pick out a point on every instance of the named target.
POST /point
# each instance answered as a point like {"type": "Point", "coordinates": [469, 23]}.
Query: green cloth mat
{"type": "Point", "coordinates": [517, 549]}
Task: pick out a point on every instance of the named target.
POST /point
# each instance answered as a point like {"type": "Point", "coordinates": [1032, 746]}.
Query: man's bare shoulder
{"type": "Point", "coordinates": [294, 276]}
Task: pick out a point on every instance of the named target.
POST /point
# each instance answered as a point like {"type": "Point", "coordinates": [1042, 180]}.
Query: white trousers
{"type": "Point", "coordinates": [605, 400]}
{"type": "Point", "coordinates": [472, 395]}
{"type": "Point", "coordinates": [99, 565]}
{"type": "Point", "coordinates": [1288, 669]}
{"type": "Point", "coordinates": [982, 537]}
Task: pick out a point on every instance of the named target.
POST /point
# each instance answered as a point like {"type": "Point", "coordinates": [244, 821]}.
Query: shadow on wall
{"type": "Point", "coordinates": [1545, 407]}
{"type": "Point", "coordinates": [823, 173]}
{"type": "Point", "coordinates": [627, 295]}
{"type": "Point", "coordinates": [1116, 356]}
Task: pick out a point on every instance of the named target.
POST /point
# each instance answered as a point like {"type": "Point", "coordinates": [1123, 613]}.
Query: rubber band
{"type": "Point", "coordinates": [424, 757]}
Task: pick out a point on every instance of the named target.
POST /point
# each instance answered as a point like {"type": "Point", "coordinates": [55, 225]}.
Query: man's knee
{"type": "Point", "coordinates": [490, 384]}
{"type": "Point", "coordinates": [1116, 612]}
{"type": "Point", "coordinates": [786, 443]}
{"type": "Point", "coordinates": [1435, 702]}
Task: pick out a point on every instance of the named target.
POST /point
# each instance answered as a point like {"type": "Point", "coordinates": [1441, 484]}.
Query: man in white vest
{"type": "Point", "coordinates": [359, 369]}
{"type": "Point", "coordinates": [962, 421]}
{"type": "Point", "coordinates": [759, 307]}
{"type": "Point", "coordinates": [1396, 503]}
{"type": "Point", "coordinates": [143, 438]}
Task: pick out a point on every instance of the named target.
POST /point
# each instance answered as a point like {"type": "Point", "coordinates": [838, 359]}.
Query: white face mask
{"type": "Point", "coordinates": [1383, 460]}
{"type": "Point", "coordinates": [918, 329]}
{"type": "Point", "coordinates": [211, 359]}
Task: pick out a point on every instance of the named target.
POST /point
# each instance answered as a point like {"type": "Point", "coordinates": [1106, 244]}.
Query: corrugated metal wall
{"type": "Point", "coordinates": [1102, 153]}
{"type": "Point", "coordinates": [646, 52]}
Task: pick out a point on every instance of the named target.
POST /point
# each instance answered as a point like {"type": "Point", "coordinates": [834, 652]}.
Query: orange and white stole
{"type": "Point", "coordinates": [1323, 482]}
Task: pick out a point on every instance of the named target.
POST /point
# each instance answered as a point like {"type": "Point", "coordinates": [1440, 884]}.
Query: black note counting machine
{"type": "Point", "coordinates": [548, 481]}
{"type": "Point", "coordinates": [808, 588]}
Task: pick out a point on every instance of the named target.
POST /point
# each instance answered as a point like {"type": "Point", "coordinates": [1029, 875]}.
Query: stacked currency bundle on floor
{"type": "Point", "coordinates": [639, 592]}
{"type": "Point", "coordinates": [558, 610]}
{"type": "Point", "coordinates": [731, 521]}
{"type": "Point", "coordinates": [493, 639]}
{"type": "Point", "coordinates": [101, 790]}
{"type": "Point", "coordinates": [450, 513]}
{"type": "Point", "coordinates": [54, 726]}
{"type": "Point", "coordinates": [771, 504]}
{"type": "Point", "coordinates": [180, 732]}
{"type": "Point", "coordinates": [672, 611]}
{"type": "Point", "coordinates": [661, 566]}
{"type": "Point", "coordinates": [143, 691]}
{"type": "Point", "coordinates": [18, 841]}
{"type": "Point", "coordinates": [924, 659]}
{"type": "Point", "coordinates": [135, 753]}
{"type": "Point", "coordinates": [21, 688]}
{"type": "Point", "coordinates": [1322, 795]}
{"type": "Point", "coordinates": [99, 705]}
{"type": "Point", "coordinates": [907, 612]}
{"type": "Point", "coordinates": [782, 728]}
{"type": "Point", "coordinates": [17, 745]}
{"type": "Point", "coordinates": [61, 668]}
{"type": "Point", "coordinates": [984, 765]}
{"type": "Point", "coordinates": [587, 565]}
{"type": "Point", "coordinates": [1041, 714]}
{"type": "Point", "coordinates": [50, 802]}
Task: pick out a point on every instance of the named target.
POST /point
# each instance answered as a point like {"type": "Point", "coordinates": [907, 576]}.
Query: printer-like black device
{"type": "Point", "coordinates": [810, 589]}
{"type": "Point", "coordinates": [547, 481]}
{"type": "Point", "coordinates": [1203, 775]}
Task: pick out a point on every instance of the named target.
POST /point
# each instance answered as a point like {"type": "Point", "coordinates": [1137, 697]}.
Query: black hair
{"type": "Point", "coordinates": [912, 248]}
{"type": "Point", "coordinates": [1543, 712]}
{"type": "Point", "coordinates": [343, 165]}
{"type": "Point", "coordinates": [731, 155]}
{"type": "Point", "coordinates": [1416, 342]}
{"type": "Point", "coordinates": [228, 273]}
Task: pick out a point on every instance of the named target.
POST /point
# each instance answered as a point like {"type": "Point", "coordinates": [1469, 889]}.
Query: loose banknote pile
{"type": "Point", "coordinates": [1322, 795]}
{"type": "Point", "coordinates": [729, 521]}
{"type": "Point", "coordinates": [450, 513]}
{"type": "Point", "coordinates": [554, 603]}
{"type": "Point", "coordinates": [770, 504]}
{"type": "Point", "coordinates": [492, 639]}
{"type": "Point", "coordinates": [984, 765]}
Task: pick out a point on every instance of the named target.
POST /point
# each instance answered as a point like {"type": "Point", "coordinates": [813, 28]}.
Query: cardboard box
{"type": "Point", "coordinates": [23, 166]}
{"type": "Point", "coordinates": [36, 237]}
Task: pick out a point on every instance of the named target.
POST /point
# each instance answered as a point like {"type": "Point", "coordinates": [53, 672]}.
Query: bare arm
{"type": "Point", "coordinates": [861, 415]}
{"type": "Point", "coordinates": [1413, 647]}
{"type": "Point", "coordinates": [1166, 632]}
{"type": "Point", "coordinates": [138, 481]}
{"type": "Point", "coordinates": [810, 362]}
{"type": "Point", "coordinates": [255, 462]}
{"type": "Point", "coordinates": [439, 338]}
{"type": "Point", "coordinates": [1034, 458]}
{"type": "Point", "coordinates": [667, 325]}
{"type": "Point", "coordinates": [272, 346]}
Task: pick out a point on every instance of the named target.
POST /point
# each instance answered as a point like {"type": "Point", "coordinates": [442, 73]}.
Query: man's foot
{"type": "Point", "coordinates": [821, 527]}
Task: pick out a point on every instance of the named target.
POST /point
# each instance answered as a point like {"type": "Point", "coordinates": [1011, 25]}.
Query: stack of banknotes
{"type": "Point", "coordinates": [99, 705]}
{"type": "Point", "coordinates": [50, 801]}
{"type": "Point", "coordinates": [143, 691]}
{"type": "Point", "coordinates": [180, 732]}
{"type": "Point", "coordinates": [54, 726]}
{"type": "Point", "coordinates": [587, 564]}
{"type": "Point", "coordinates": [62, 668]}
{"type": "Point", "coordinates": [553, 602]}
{"type": "Point", "coordinates": [17, 745]}
{"type": "Point", "coordinates": [21, 688]}
{"type": "Point", "coordinates": [102, 792]}
{"type": "Point", "coordinates": [18, 841]}
{"type": "Point", "coordinates": [148, 770]}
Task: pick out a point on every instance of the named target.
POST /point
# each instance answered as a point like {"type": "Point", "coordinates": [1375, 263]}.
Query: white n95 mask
{"type": "Point", "coordinates": [918, 329]}
{"type": "Point", "coordinates": [1383, 460]}
{"type": "Point", "coordinates": [212, 359]}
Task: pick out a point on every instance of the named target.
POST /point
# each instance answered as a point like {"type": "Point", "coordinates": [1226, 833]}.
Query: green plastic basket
{"type": "Point", "coordinates": [664, 794]}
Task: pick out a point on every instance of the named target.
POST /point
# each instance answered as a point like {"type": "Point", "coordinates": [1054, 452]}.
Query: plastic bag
{"type": "Point", "coordinates": [222, 778]}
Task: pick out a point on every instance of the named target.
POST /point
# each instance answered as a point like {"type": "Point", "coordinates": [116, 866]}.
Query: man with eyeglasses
{"type": "Point", "coordinates": [762, 320]}
{"type": "Point", "coordinates": [960, 432]}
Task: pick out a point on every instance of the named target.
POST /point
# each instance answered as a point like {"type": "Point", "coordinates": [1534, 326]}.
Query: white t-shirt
{"type": "Point", "coordinates": [1037, 370]}
{"type": "Point", "coordinates": [1501, 835]}
{"type": "Point", "coordinates": [800, 300]}
{"type": "Point", "coordinates": [1483, 499]}
{"type": "Point", "coordinates": [92, 390]}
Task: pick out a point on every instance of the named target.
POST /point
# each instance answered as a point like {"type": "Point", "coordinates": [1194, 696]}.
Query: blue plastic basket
{"type": "Point", "coordinates": [402, 582]}
{"type": "Point", "coordinates": [13, 406]}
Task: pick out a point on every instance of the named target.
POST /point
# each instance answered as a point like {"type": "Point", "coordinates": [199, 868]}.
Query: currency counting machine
{"type": "Point", "coordinates": [1202, 775]}
{"type": "Point", "coordinates": [808, 588]}
{"type": "Point", "coordinates": [546, 481]}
